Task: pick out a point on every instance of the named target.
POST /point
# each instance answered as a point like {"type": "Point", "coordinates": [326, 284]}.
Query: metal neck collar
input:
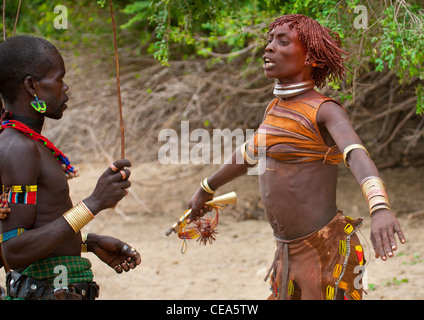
{"type": "Point", "coordinates": [293, 89]}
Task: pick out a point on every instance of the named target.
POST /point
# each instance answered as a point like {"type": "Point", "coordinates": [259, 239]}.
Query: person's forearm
{"type": "Point", "coordinates": [91, 241]}
{"type": "Point", "coordinates": [361, 166]}
{"type": "Point", "coordinates": [35, 244]}
{"type": "Point", "coordinates": [229, 171]}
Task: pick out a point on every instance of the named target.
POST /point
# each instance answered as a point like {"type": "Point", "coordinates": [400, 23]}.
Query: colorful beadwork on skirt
{"type": "Point", "coordinates": [319, 265]}
{"type": "Point", "coordinates": [339, 270]}
{"type": "Point", "coordinates": [360, 254]}
{"type": "Point", "coordinates": [290, 288]}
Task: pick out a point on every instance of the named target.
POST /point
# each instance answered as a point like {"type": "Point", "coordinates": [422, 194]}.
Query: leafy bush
{"type": "Point", "coordinates": [223, 29]}
{"type": "Point", "coordinates": [393, 39]}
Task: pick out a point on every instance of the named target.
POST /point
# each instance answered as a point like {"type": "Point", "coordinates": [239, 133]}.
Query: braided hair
{"type": "Point", "coordinates": [323, 46]}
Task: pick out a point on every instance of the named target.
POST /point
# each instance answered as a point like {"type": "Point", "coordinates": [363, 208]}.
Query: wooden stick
{"type": "Point", "coordinates": [118, 83]}
{"type": "Point", "coordinates": [4, 20]}
{"type": "Point", "coordinates": [16, 19]}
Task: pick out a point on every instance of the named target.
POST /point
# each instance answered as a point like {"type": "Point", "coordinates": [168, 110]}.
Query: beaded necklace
{"type": "Point", "coordinates": [60, 157]}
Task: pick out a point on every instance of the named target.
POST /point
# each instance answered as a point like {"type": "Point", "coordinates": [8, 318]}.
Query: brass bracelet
{"type": "Point", "coordinates": [246, 157]}
{"type": "Point", "coordinates": [369, 178]}
{"type": "Point", "coordinates": [372, 179]}
{"type": "Point", "coordinates": [78, 216]}
{"type": "Point", "coordinates": [377, 201]}
{"type": "Point", "coordinates": [375, 193]}
{"type": "Point", "coordinates": [84, 242]}
{"type": "Point", "coordinates": [351, 147]}
{"type": "Point", "coordinates": [382, 206]}
{"type": "Point", "coordinates": [205, 186]}
{"type": "Point", "coordinates": [373, 186]}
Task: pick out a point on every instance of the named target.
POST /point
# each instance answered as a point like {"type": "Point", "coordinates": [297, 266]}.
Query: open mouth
{"type": "Point", "coordinates": [268, 62]}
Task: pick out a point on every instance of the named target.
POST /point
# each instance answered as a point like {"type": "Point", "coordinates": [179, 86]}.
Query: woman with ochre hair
{"type": "Point", "coordinates": [305, 136]}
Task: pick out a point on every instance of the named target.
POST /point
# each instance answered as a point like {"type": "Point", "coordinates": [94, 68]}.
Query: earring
{"type": "Point", "coordinates": [39, 105]}
{"type": "Point", "coordinates": [314, 65]}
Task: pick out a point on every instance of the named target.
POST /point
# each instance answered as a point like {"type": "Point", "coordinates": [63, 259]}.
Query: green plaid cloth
{"type": "Point", "coordinates": [78, 269]}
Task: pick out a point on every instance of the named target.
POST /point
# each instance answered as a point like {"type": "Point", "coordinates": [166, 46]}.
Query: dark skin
{"type": "Point", "coordinates": [301, 198]}
{"type": "Point", "coordinates": [48, 233]}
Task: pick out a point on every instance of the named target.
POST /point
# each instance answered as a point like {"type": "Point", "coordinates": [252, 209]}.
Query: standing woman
{"type": "Point", "coordinates": [306, 135]}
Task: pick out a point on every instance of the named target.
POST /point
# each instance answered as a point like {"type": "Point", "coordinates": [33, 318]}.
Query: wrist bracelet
{"type": "Point", "coordinates": [205, 186]}
{"type": "Point", "coordinates": [375, 193]}
{"type": "Point", "coordinates": [84, 242]}
{"type": "Point", "coordinates": [78, 216]}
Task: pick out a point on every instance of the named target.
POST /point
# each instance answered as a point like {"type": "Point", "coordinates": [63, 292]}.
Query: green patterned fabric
{"type": "Point", "coordinates": [78, 269]}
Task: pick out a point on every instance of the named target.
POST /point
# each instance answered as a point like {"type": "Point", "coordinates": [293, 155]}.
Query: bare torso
{"type": "Point", "coordinates": [54, 200]}
{"type": "Point", "coordinates": [35, 166]}
{"type": "Point", "coordinates": [298, 198]}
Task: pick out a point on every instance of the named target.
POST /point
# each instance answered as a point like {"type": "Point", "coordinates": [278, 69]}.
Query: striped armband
{"type": "Point", "coordinates": [351, 147]}
{"type": "Point", "coordinates": [11, 234]}
{"type": "Point", "coordinates": [21, 194]}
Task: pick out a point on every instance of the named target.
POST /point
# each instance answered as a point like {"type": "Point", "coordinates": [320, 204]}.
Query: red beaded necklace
{"type": "Point", "coordinates": [60, 157]}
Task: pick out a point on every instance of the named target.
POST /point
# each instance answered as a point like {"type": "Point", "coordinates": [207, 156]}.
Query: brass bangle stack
{"type": "Point", "coordinates": [375, 193]}
{"type": "Point", "coordinates": [205, 186]}
{"type": "Point", "coordinates": [246, 158]}
{"type": "Point", "coordinates": [78, 216]}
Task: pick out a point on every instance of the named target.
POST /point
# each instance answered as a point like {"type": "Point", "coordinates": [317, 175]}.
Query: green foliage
{"type": "Point", "coordinates": [225, 28]}
{"type": "Point", "coordinates": [396, 42]}
{"type": "Point", "coordinates": [179, 21]}
{"type": "Point", "coordinates": [393, 40]}
{"type": "Point", "coordinates": [88, 24]}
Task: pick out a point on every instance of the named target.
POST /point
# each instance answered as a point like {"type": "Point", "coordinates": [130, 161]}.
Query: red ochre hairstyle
{"type": "Point", "coordinates": [323, 46]}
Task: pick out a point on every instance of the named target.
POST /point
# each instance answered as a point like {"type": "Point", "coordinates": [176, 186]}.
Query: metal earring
{"type": "Point", "coordinates": [39, 105]}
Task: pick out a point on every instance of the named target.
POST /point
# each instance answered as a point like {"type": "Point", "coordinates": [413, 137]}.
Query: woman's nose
{"type": "Point", "coordinates": [269, 48]}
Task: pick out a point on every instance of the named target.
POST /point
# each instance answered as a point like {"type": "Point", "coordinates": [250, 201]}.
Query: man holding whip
{"type": "Point", "coordinates": [43, 228]}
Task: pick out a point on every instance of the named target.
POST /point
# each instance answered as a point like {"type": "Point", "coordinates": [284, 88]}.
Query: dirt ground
{"type": "Point", "coordinates": [233, 267]}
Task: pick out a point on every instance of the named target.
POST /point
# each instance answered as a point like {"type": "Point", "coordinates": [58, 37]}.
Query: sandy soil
{"type": "Point", "coordinates": [234, 266]}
